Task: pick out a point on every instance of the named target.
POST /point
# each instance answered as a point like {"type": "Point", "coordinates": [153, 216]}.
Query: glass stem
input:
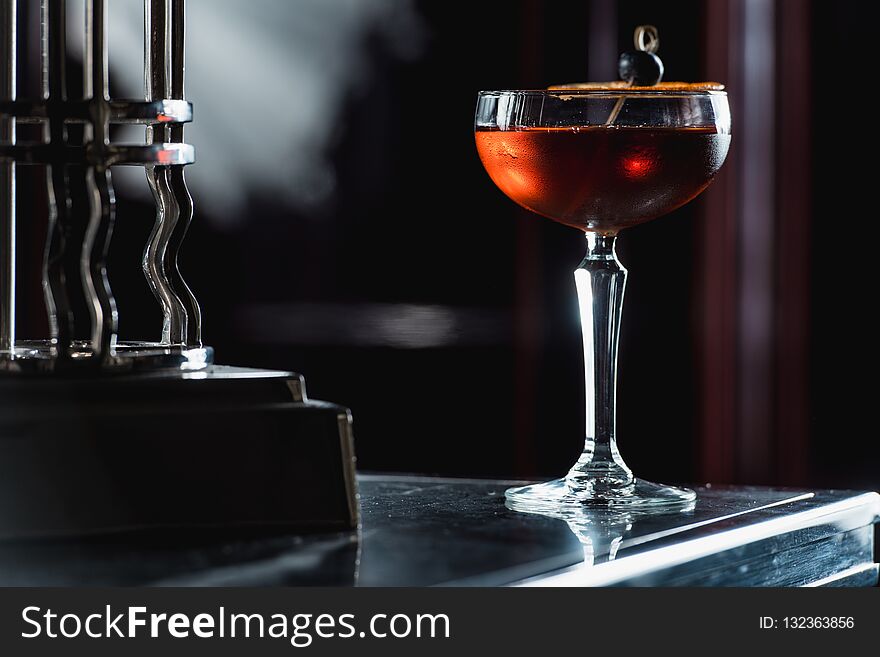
{"type": "Point", "coordinates": [600, 281]}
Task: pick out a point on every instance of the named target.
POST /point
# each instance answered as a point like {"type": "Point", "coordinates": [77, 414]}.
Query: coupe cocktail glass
{"type": "Point", "coordinates": [602, 160]}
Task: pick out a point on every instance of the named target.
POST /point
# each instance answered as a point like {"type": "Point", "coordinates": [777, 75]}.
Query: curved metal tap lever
{"type": "Point", "coordinates": [102, 202]}
{"type": "Point", "coordinates": [59, 256]}
{"type": "Point", "coordinates": [181, 313]}
{"type": "Point", "coordinates": [167, 211]}
{"type": "Point", "coordinates": [177, 183]}
{"type": "Point", "coordinates": [102, 305]}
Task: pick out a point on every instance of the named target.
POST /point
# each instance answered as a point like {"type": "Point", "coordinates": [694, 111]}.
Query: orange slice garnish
{"type": "Point", "coordinates": [620, 85]}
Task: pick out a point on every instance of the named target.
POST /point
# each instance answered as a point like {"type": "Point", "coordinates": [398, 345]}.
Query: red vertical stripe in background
{"type": "Point", "coordinates": [793, 225]}
{"type": "Point", "coordinates": [528, 300]}
{"type": "Point", "coordinates": [756, 225]}
{"type": "Point", "coordinates": [717, 269]}
{"type": "Point", "coordinates": [754, 283]}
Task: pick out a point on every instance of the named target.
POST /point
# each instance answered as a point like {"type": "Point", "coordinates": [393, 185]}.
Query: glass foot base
{"type": "Point", "coordinates": [562, 494]}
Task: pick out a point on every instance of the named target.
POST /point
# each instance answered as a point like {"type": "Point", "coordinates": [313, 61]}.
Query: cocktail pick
{"type": "Point", "coordinates": [640, 67]}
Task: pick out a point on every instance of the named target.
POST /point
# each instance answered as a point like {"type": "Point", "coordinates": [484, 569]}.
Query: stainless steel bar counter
{"type": "Point", "coordinates": [424, 531]}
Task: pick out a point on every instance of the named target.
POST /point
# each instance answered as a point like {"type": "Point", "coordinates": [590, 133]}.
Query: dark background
{"type": "Point", "coordinates": [445, 317]}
